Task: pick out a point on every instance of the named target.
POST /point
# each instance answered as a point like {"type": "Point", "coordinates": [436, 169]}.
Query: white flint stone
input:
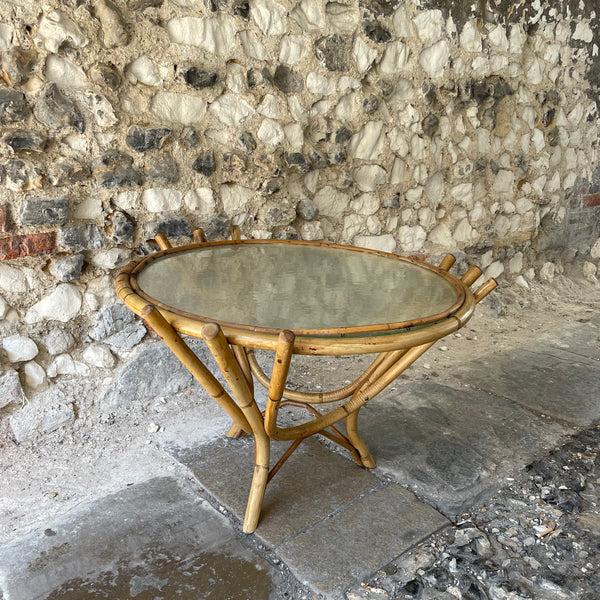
{"type": "Point", "coordinates": [487, 259]}
{"type": "Point", "coordinates": [13, 280]}
{"type": "Point", "coordinates": [35, 376]}
{"type": "Point", "coordinates": [426, 217]}
{"type": "Point", "coordinates": [368, 143]}
{"type": "Point", "coordinates": [294, 134]}
{"type": "Point", "coordinates": [429, 25]}
{"type": "Point", "coordinates": [235, 198]}
{"type": "Point", "coordinates": [296, 109]}
{"type": "Point", "coordinates": [311, 180]}
{"type": "Point", "coordinates": [309, 15]}
{"type": "Point", "coordinates": [504, 182]}
{"type": "Point", "coordinates": [6, 37]}
{"type": "Point", "coordinates": [331, 202]}
{"type": "Point", "coordinates": [161, 199]}
{"type": "Point", "coordinates": [343, 18]}
{"type": "Point", "coordinates": [595, 250]}
{"type": "Point", "coordinates": [441, 236]}
{"type": "Point", "coordinates": [433, 60]}
{"type": "Point", "coordinates": [434, 188]}
{"type": "Point", "coordinates": [547, 271]}
{"type": "Point", "coordinates": [538, 140]}
{"type": "Point", "coordinates": [583, 32]}
{"type": "Point", "coordinates": [98, 355]}
{"type": "Point", "coordinates": [352, 227]}
{"type": "Point", "coordinates": [470, 40]}
{"type": "Point", "coordinates": [111, 258]}
{"type": "Point", "coordinates": [291, 49]}
{"type": "Point", "coordinates": [270, 16]}
{"type": "Point", "coordinates": [64, 73]}
{"type": "Point", "coordinates": [346, 108]}
{"type": "Point", "coordinates": [269, 107]}
{"type": "Point", "coordinates": [463, 193]}
{"type": "Point", "coordinates": [398, 142]}
{"type": "Point", "coordinates": [145, 71]}
{"type": "Point", "coordinates": [270, 132]}
{"type": "Point", "coordinates": [477, 213]}
{"type": "Point", "coordinates": [398, 171]}
{"type": "Point", "coordinates": [63, 304]}
{"type": "Point", "coordinates": [494, 270]}
{"type": "Point", "coordinates": [64, 364]}
{"type": "Point", "coordinates": [402, 23]}
{"type": "Point", "coordinates": [311, 231]}
{"type": "Point", "coordinates": [319, 84]}
{"type": "Point", "coordinates": [374, 225]}
{"type": "Point", "coordinates": [363, 54]}
{"type": "Point", "coordinates": [215, 35]}
{"type": "Point", "coordinates": [383, 243]}
{"type": "Point", "coordinates": [414, 194]}
{"type": "Point", "coordinates": [178, 108]}
{"type": "Point", "coordinates": [368, 177]}
{"type": "Point", "coordinates": [55, 28]}
{"type": "Point", "coordinates": [589, 271]}
{"type": "Point", "coordinates": [201, 201]}
{"type": "Point", "coordinates": [394, 58]}
{"type": "Point", "coordinates": [498, 62]}
{"type": "Point", "coordinates": [535, 74]}
{"type": "Point", "coordinates": [102, 110]}
{"type": "Point", "coordinates": [19, 348]}
{"type": "Point", "coordinates": [497, 39]}
{"type": "Point", "coordinates": [411, 239]}
{"type": "Point", "coordinates": [236, 77]}
{"type": "Point", "coordinates": [252, 46]}
{"type": "Point", "coordinates": [502, 226]}
{"type": "Point", "coordinates": [10, 389]}
{"type": "Point", "coordinates": [126, 200]}
{"type": "Point", "coordinates": [522, 282]}
{"type": "Point", "coordinates": [523, 205]}
{"type": "Point", "coordinates": [365, 204]}
{"type": "Point", "coordinates": [418, 147]}
{"type": "Point", "coordinates": [515, 264]}
{"type": "Point", "coordinates": [58, 341]}
{"type": "Point", "coordinates": [464, 232]}
{"type": "Point", "coordinates": [420, 174]}
{"type": "Point", "coordinates": [3, 308]}
{"type": "Point", "coordinates": [231, 109]}
{"type": "Point", "coordinates": [88, 209]}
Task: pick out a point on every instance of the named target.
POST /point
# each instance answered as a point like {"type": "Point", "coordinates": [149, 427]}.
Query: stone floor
{"type": "Point", "coordinates": [327, 525]}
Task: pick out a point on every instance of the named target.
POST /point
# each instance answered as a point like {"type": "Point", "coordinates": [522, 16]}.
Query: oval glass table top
{"type": "Point", "coordinates": [297, 286]}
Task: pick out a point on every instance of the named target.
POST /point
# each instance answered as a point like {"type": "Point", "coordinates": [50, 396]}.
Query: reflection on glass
{"type": "Point", "coordinates": [285, 286]}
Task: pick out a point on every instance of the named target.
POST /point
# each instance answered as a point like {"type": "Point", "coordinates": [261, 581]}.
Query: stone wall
{"type": "Point", "coordinates": [411, 129]}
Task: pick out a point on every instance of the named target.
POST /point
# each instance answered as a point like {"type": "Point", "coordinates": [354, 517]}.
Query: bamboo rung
{"type": "Point", "coordinates": [162, 241]}
{"type": "Point", "coordinates": [235, 233]}
{"type": "Point", "coordinates": [199, 236]}
{"type": "Point", "coordinates": [471, 276]}
{"type": "Point", "coordinates": [447, 262]}
{"type": "Point", "coordinates": [485, 289]}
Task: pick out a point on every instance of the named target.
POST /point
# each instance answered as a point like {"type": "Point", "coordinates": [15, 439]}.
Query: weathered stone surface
{"type": "Point", "coordinates": [56, 211]}
{"type": "Point", "coordinates": [331, 202]}
{"type": "Point", "coordinates": [13, 280]}
{"type": "Point", "coordinates": [172, 227]}
{"type": "Point", "coordinates": [67, 268]}
{"type": "Point", "coordinates": [369, 142]}
{"type": "Point", "coordinates": [58, 341]}
{"type": "Point", "coordinates": [84, 237]}
{"type": "Point", "coordinates": [200, 78]}
{"type": "Point", "coordinates": [434, 59]}
{"type": "Point", "coordinates": [143, 139]}
{"type": "Point", "coordinates": [115, 168]}
{"type": "Point", "coordinates": [162, 169]}
{"type": "Point", "coordinates": [105, 75]}
{"type": "Point", "coordinates": [57, 110]}
{"type": "Point", "coordinates": [270, 16]}
{"type": "Point", "coordinates": [385, 243]}
{"type": "Point", "coordinates": [22, 176]}
{"type": "Point", "coordinates": [288, 81]}
{"type": "Point", "coordinates": [110, 320]}
{"type": "Point", "coordinates": [10, 389]}
{"type": "Point", "coordinates": [217, 228]}
{"type": "Point", "coordinates": [333, 51]}
{"type": "Point", "coordinates": [63, 304]}
{"type": "Point", "coordinates": [130, 336]}
{"type": "Point", "coordinates": [13, 106]}
{"type": "Point", "coordinates": [307, 209]}
{"type": "Point", "coordinates": [273, 214]}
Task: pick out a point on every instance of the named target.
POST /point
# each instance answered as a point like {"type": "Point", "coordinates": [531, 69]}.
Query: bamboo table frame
{"type": "Point", "coordinates": [397, 345]}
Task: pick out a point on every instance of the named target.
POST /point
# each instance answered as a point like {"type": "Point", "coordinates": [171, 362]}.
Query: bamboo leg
{"type": "Point", "coordinates": [281, 367]}
{"type": "Point", "coordinates": [218, 345]}
{"type": "Point", "coordinates": [173, 340]}
{"type": "Point", "coordinates": [355, 439]}
{"type": "Point", "coordinates": [199, 236]}
{"type": "Point", "coordinates": [242, 358]}
{"type": "Point", "coordinates": [162, 241]}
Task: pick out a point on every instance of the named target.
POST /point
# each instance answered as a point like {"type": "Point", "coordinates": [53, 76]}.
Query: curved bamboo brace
{"type": "Point", "coordinates": [173, 340]}
{"type": "Point", "coordinates": [163, 241]}
{"type": "Point", "coordinates": [227, 363]}
{"type": "Point", "coordinates": [313, 397]}
{"type": "Point", "coordinates": [235, 233]}
{"type": "Point", "coordinates": [199, 236]}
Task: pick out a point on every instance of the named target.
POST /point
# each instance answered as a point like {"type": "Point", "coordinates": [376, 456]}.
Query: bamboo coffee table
{"type": "Point", "coordinates": [295, 297]}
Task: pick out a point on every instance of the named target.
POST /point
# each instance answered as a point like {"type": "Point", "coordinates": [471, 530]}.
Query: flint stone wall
{"type": "Point", "coordinates": [412, 129]}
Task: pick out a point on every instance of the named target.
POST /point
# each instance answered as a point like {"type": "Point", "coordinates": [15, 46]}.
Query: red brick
{"type": "Point", "coordinates": [420, 257]}
{"type": "Point", "coordinates": [31, 244]}
{"type": "Point", "coordinates": [3, 217]}
{"type": "Point", "coordinates": [591, 200]}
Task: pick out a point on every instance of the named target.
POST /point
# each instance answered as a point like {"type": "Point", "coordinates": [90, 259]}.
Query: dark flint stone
{"type": "Point", "coordinates": [307, 209]}
{"type": "Point", "coordinates": [142, 5]}
{"type": "Point", "coordinates": [481, 164]}
{"type": "Point", "coordinates": [336, 155]}
{"type": "Point", "coordinates": [553, 137]}
{"type": "Point", "coordinates": [66, 172]}
{"type": "Point", "coordinates": [270, 187]}
{"type": "Point", "coordinates": [430, 125]}
{"type": "Point", "coordinates": [172, 227]}
{"type": "Point", "coordinates": [491, 88]}
{"type": "Point", "coordinates": [142, 139]}
{"type": "Point", "coordinates": [216, 5]}
{"type": "Point", "coordinates": [86, 237]}
{"type": "Point", "coordinates": [495, 167]}
{"type": "Point", "coordinates": [114, 169]}
{"type": "Point", "coordinates": [429, 93]}
{"type": "Point", "coordinates": [333, 51]}
{"type": "Point", "coordinates": [289, 233]}
{"type": "Point", "coordinates": [19, 140]}
{"type": "Point", "coordinates": [488, 119]}
{"type": "Point", "coordinates": [413, 587]}
{"type": "Point", "coordinates": [317, 161]}
{"type": "Point", "coordinates": [113, 159]}
{"type": "Point", "coordinates": [247, 141]}
{"type": "Point", "coordinates": [120, 227]}
{"type": "Point", "coordinates": [67, 268]}
{"type": "Point", "coordinates": [242, 9]}
{"type": "Point", "coordinates": [288, 81]}
{"type": "Point", "coordinates": [45, 212]}
{"type": "Point", "coordinates": [255, 77]}
{"type": "Point", "coordinates": [217, 227]}
{"type": "Point", "coordinates": [548, 117]}
{"type": "Point", "coordinates": [205, 164]}
{"type": "Point", "coordinates": [18, 65]}
{"type": "Point", "coordinates": [199, 78]}
{"type": "Point", "coordinates": [297, 160]}
{"type": "Point", "coordinates": [370, 105]}
{"type": "Point", "coordinates": [387, 88]}
{"type": "Point", "coordinates": [162, 169]}
{"type": "Point", "coordinates": [21, 173]}
{"type": "Point", "coordinates": [391, 202]}
{"type": "Point", "coordinates": [343, 134]}
{"type": "Point", "coordinates": [2, 174]}
{"type": "Point", "coordinates": [465, 90]}
{"type": "Point", "coordinates": [376, 32]}
{"type": "Point", "coordinates": [13, 106]}
{"type": "Point", "coordinates": [381, 7]}
{"type": "Point", "coordinates": [56, 110]}
{"type": "Point", "coordinates": [190, 137]}
{"type": "Point", "coordinates": [105, 75]}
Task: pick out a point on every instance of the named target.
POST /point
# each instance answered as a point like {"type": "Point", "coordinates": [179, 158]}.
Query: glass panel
{"type": "Point", "coordinates": [288, 286]}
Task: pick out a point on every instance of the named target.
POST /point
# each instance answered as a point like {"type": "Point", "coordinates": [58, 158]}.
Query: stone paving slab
{"type": "Point", "coordinates": [583, 339]}
{"type": "Point", "coordinates": [149, 540]}
{"type": "Point", "coordinates": [355, 542]}
{"type": "Point", "coordinates": [452, 447]}
{"type": "Point", "coordinates": [544, 377]}
{"type": "Point", "coordinates": [314, 483]}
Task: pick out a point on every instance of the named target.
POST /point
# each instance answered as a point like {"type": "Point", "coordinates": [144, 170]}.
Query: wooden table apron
{"type": "Point", "coordinates": [397, 346]}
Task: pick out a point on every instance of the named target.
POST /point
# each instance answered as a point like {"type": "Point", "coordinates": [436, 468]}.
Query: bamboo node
{"type": "Point", "coordinates": [210, 331]}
